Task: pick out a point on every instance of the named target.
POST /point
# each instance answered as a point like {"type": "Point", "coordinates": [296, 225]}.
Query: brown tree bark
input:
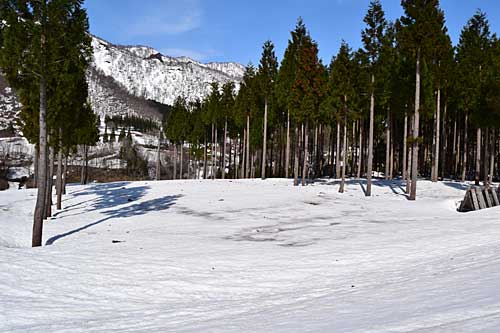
{"type": "Point", "coordinates": [59, 173]}
{"type": "Point", "coordinates": [416, 123]}
{"type": "Point", "coordinates": [464, 160]}
{"type": "Point", "coordinates": [296, 158]}
{"type": "Point", "coordinates": [42, 167]}
{"type": "Point", "coordinates": [264, 143]}
{"type": "Point", "coordinates": [344, 153]}
{"type": "Point", "coordinates": [369, 165]}
{"type": "Point", "coordinates": [305, 167]}
{"type": "Point", "coordinates": [478, 156]}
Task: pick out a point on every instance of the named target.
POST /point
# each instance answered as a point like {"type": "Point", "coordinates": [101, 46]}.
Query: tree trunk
{"type": "Point", "coordinates": [344, 153]}
{"type": "Point", "coordinates": [492, 157]}
{"type": "Point", "coordinates": [264, 142]}
{"type": "Point", "coordinates": [189, 162]}
{"type": "Point", "coordinates": [416, 123]}
{"type": "Point", "coordinates": [443, 163]}
{"type": "Point", "coordinates": [457, 158]}
{"type": "Point", "coordinates": [369, 165]}
{"type": "Point", "coordinates": [478, 156]}
{"type": "Point", "coordinates": [175, 161]}
{"type": "Point", "coordinates": [287, 157]}
{"type": "Point", "coordinates": [486, 157]}
{"type": "Point", "coordinates": [248, 149]}
{"type": "Point", "coordinates": [360, 152]}
{"type": "Point", "coordinates": [35, 161]}
{"type": "Point", "coordinates": [391, 159]}
{"type": "Point", "coordinates": [464, 162]}
{"type": "Point", "coordinates": [243, 155]}
{"type": "Point", "coordinates": [437, 126]}
{"type": "Point", "coordinates": [388, 146]}
{"type": "Point", "coordinates": [181, 166]}
{"type": "Point", "coordinates": [297, 157]}
{"type": "Point", "coordinates": [405, 140]}
{"type": "Point", "coordinates": [84, 175]}
{"type": "Point", "coordinates": [42, 168]}
{"type": "Point", "coordinates": [455, 150]}
{"type": "Point", "coordinates": [158, 157]}
{"type": "Point", "coordinates": [205, 159]}
{"type": "Point", "coordinates": [65, 173]}
{"type": "Point", "coordinates": [305, 166]}
{"type": "Point", "coordinates": [337, 152]}
{"type": "Point", "coordinates": [59, 173]}
{"type": "Point", "coordinates": [214, 156]}
{"type": "Point", "coordinates": [224, 152]}
{"type": "Point", "coordinates": [48, 198]}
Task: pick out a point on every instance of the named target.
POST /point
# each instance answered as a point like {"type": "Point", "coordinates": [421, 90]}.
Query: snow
{"type": "Point", "coordinates": [161, 80]}
{"type": "Point", "coordinates": [250, 255]}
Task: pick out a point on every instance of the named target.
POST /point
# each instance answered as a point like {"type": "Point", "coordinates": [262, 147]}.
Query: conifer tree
{"type": "Point", "coordinates": [307, 93]}
{"type": "Point", "coordinates": [266, 77]}
{"type": "Point", "coordinates": [372, 37]}
{"type": "Point", "coordinates": [472, 58]}
{"type": "Point", "coordinates": [420, 26]}
{"type": "Point", "coordinates": [284, 81]}
{"type": "Point", "coordinates": [343, 97]}
{"type": "Point", "coordinates": [247, 107]}
{"type": "Point", "coordinates": [227, 106]}
{"type": "Point", "coordinates": [33, 36]}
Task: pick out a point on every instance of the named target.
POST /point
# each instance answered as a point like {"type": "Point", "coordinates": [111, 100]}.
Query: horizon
{"type": "Point", "coordinates": [210, 31]}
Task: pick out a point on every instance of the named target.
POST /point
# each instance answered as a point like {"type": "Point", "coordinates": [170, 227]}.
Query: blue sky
{"type": "Point", "coordinates": [234, 30]}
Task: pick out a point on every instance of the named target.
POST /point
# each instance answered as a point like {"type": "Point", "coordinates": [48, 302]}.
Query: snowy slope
{"type": "Point", "coordinates": [251, 255]}
{"type": "Point", "coordinates": [145, 72]}
{"type": "Point", "coordinates": [123, 80]}
{"type": "Point", "coordinates": [9, 105]}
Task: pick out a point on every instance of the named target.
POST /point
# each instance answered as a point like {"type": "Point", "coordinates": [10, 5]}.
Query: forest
{"type": "Point", "coordinates": [407, 104]}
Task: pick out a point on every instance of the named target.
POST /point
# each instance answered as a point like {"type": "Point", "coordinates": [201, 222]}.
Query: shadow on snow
{"type": "Point", "coordinates": [114, 196]}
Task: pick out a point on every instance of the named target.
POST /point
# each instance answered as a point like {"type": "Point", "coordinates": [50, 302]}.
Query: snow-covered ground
{"type": "Point", "coordinates": [250, 255]}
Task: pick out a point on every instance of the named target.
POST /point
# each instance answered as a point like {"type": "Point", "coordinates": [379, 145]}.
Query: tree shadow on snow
{"type": "Point", "coordinates": [395, 185]}
{"type": "Point", "coordinates": [456, 185]}
{"type": "Point", "coordinates": [106, 195]}
{"type": "Point", "coordinates": [136, 209]}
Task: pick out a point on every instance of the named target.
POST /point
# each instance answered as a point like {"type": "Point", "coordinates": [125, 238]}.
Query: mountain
{"type": "Point", "coordinates": [136, 80]}
{"type": "Point", "coordinates": [9, 106]}
{"type": "Point", "coordinates": [146, 73]}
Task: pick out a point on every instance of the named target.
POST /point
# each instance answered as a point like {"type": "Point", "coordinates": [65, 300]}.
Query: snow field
{"type": "Point", "coordinates": [250, 255]}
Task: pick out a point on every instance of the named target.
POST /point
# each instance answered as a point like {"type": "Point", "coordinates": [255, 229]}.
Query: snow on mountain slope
{"type": "Point", "coordinates": [9, 105]}
{"type": "Point", "coordinates": [109, 98]}
{"type": "Point", "coordinates": [251, 256]}
{"type": "Point", "coordinates": [145, 72]}
{"type": "Point", "coordinates": [123, 80]}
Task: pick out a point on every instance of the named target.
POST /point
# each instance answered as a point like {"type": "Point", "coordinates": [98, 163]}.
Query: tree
{"type": "Point", "coordinates": [307, 93]}
{"type": "Point", "coordinates": [266, 77]}
{"type": "Point", "coordinates": [33, 35]}
{"type": "Point", "coordinates": [227, 105]}
{"type": "Point", "coordinates": [284, 81]}
{"type": "Point", "coordinates": [472, 58]}
{"type": "Point", "coordinates": [420, 25]}
{"type": "Point", "coordinates": [342, 94]}
{"type": "Point", "coordinates": [372, 37]}
{"type": "Point", "coordinates": [246, 108]}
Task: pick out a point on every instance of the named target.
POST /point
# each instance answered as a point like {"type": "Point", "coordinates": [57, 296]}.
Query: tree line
{"type": "Point", "coordinates": [45, 49]}
{"type": "Point", "coordinates": [407, 104]}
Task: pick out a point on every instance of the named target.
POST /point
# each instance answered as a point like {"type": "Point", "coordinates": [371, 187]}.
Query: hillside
{"type": "Point", "coordinates": [136, 80]}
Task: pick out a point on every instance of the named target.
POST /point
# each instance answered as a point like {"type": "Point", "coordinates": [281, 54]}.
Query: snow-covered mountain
{"type": "Point", "coordinates": [145, 72]}
{"type": "Point", "coordinates": [136, 80]}
{"type": "Point", "coordinates": [9, 106]}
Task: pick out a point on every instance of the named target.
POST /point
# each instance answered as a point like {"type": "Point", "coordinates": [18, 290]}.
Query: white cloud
{"type": "Point", "coordinates": [168, 18]}
{"type": "Point", "coordinates": [193, 54]}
